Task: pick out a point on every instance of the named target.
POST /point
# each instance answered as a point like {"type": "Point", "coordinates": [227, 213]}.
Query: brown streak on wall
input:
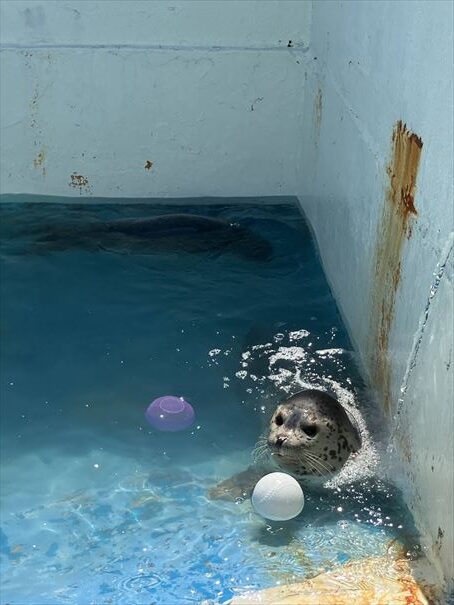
{"type": "Point", "coordinates": [399, 212]}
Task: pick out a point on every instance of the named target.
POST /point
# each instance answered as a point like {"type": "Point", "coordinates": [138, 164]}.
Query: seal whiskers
{"type": "Point", "coordinates": [310, 436]}
{"type": "Point", "coordinates": [317, 463]}
{"type": "Point", "coordinates": [261, 450]}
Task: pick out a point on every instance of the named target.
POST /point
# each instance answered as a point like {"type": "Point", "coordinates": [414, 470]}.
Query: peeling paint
{"type": "Point", "coordinates": [395, 227]}
{"type": "Point", "coordinates": [27, 57]}
{"type": "Point", "coordinates": [78, 181]}
{"type": "Point", "coordinates": [34, 108]}
{"type": "Point", "coordinates": [35, 125]}
{"type": "Point", "coordinates": [40, 161]}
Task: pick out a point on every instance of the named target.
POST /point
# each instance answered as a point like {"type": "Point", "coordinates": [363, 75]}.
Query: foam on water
{"type": "Point", "coordinates": [97, 507]}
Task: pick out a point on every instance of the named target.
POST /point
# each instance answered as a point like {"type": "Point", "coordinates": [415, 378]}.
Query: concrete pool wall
{"type": "Point", "coordinates": [347, 105]}
{"type": "Point", "coordinates": [152, 99]}
{"type": "Point", "coordinates": [377, 187]}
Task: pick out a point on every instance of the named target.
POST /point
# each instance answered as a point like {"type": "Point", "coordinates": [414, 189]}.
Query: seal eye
{"type": "Point", "coordinates": [279, 420]}
{"type": "Point", "coordinates": [310, 429]}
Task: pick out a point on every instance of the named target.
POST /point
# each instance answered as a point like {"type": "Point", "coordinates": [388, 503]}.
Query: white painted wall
{"type": "Point", "coordinates": [209, 92]}
{"type": "Point", "coordinates": [374, 63]}
{"type": "Point", "coordinates": [235, 23]}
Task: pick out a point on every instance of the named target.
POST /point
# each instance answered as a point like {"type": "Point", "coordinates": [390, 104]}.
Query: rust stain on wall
{"type": "Point", "coordinates": [78, 181]}
{"type": "Point", "coordinates": [40, 161]}
{"type": "Point", "coordinates": [399, 212]}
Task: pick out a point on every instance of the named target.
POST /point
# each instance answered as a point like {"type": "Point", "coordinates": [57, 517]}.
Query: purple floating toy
{"type": "Point", "coordinates": [170, 413]}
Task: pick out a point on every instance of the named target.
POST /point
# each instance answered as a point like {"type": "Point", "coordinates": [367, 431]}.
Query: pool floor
{"type": "Point", "coordinates": [99, 507]}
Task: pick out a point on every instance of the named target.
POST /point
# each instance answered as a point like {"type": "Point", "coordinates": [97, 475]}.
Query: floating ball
{"type": "Point", "coordinates": [170, 413]}
{"type": "Point", "coordinates": [278, 497]}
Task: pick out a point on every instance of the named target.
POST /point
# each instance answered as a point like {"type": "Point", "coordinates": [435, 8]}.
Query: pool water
{"type": "Point", "coordinates": [99, 507]}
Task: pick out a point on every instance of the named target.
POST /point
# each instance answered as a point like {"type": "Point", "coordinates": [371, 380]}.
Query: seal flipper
{"type": "Point", "coordinates": [240, 485]}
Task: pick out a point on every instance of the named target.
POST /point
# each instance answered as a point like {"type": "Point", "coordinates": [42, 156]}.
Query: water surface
{"type": "Point", "coordinates": [98, 507]}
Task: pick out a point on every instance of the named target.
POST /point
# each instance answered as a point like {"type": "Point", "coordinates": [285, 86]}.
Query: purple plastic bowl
{"type": "Point", "coordinates": [170, 413]}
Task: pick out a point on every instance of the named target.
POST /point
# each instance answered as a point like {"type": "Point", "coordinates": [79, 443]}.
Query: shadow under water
{"type": "Point", "coordinates": [168, 233]}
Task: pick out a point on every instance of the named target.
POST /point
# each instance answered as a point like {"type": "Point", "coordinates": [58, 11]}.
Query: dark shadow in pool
{"type": "Point", "coordinates": [169, 233]}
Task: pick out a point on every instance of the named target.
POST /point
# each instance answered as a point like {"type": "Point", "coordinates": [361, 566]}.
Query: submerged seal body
{"type": "Point", "coordinates": [168, 233]}
{"type": "Point", "coordinates": [310, 436]}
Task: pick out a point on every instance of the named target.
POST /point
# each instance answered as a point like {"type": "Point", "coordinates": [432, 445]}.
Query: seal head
{"type": "Point", "coordinates": [311, 434]}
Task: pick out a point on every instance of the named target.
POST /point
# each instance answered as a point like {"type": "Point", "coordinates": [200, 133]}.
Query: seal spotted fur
{"type": "Point", "coordinates": [310, 436]}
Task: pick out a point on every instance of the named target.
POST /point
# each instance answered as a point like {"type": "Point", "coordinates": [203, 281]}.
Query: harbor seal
{"type": "Point", "coordinates": [310, 436]}
{"type": "Point", "coordinates": [167, 233]}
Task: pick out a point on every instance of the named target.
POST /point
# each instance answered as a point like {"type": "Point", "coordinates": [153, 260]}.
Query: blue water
{"type": "Point", "coordinates": [98, 507]}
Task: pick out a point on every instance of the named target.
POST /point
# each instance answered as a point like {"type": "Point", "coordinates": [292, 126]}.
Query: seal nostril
{"type": "Point", "coordinates": [279, 420]}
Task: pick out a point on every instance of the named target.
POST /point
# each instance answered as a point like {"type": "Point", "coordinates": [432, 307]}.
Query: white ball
{"type": "Point", "coordinates": [278, 497]}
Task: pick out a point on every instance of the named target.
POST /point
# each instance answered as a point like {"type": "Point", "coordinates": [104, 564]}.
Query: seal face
{"type": "Point", "coordinates": [310, 437]}
{"type": "Point", "coordinates": [310, 434]}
